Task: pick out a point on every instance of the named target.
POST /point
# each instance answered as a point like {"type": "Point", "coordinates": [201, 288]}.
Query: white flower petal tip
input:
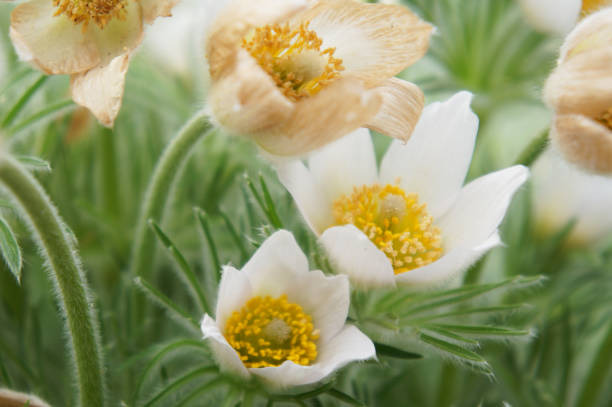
{"type": "Point", "coordinates": [552, 16]}
{"type": "Point", "coordinates": [101, 89]}
{"type": "Point", "coordinates": [10, 398]}
{"type": "Point", "coordinates": [353, 254]}
{"type": "Point", "coordinates": [277, 278]}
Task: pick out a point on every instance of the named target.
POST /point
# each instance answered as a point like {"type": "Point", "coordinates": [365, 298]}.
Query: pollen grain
{"type": "Point", "coordinates": [100, 12]}
{"type": "Point", "coordinates": [269, 331]}
{"type": "Point", "coordinates": [293, 58]}
{"type": "Point", "coordinates": [395, 222]}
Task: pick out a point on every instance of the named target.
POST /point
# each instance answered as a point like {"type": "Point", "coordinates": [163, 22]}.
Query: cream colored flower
{"type": "Point", "coordinates": [562, 192]}
{"type": "Point", "coordinates": [412, 222]}
{"type": "Point", "coordinates": [297, 74]}
{"type": "Point", "coordinates": [10, 398]}
{"type": "Point", "coordinates": [282, 323]}
{"type": "Point", "coordinates": [559, 16]}
{"type": "Point", "coordinates": [579, 92]}
{"type": "Point", "coordinates": [90, 40]}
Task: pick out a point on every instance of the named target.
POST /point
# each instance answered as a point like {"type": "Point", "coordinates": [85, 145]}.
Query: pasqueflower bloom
{"type": "Point", "coordinates": [90, 40]}
{"type": "Point", "coordinates": [297, 74]}
{"type": "Point", "coordinates": [559, 16]}
{"type": "Point", "coordinates": [579, 92]}
{"type": "Point", "coordinates": [282, 323]}
{"type": "Point", "coordinates": [412, 222]}
{"type": "Point", "coordinates": [562, 192]}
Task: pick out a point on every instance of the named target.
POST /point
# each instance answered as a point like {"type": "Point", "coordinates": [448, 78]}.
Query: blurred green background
{"type": "Point", "coordinates": [99, 176]}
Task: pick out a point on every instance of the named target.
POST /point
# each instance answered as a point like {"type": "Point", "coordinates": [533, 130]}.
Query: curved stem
{"type": "Point", "coordinates": [65, 266]}
{"type": "Point", "coordinates": [158, 192]}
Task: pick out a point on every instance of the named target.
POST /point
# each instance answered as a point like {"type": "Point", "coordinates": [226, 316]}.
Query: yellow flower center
{"type": "Point", "coordinates": [590, 6]}
{"type": "Point", "coordinates": [101, 12]}
{"type": "Point", "coordinates": [268, 331]}
{"type": "Point", "coordinates": [293, 58]}
{"type": "Point", "coordinates": [606, 118]}
{"type": "Point", "coordinates": [395, 222]}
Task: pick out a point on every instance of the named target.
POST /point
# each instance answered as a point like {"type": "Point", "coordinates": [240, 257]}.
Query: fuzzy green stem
{"type": "Point", "coordinates": [598, 373]}
{"type": "Point", "coordinates": [158, 192]}
{"type": "Point", "coordinates": [67, 275]}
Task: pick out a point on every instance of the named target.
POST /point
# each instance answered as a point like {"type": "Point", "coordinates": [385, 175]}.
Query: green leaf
{"type": "Point", "coordinates": [452, 349]}
{"type": "Point", "coordinates": [531, 153]}
{"type": "Point", "coordinates": [344, 397]}
{"type": "Point", "coordinates": [48, 112]}
{"type": "Point", "coordinates": [176, 384]}
{"type": "Point", "coordinates": [34, 163]}
{"type": "Point", "coordinates": [187, 275]}
{"type": "Point", "coordinates": [6, 204]}
{"type": "Point", "coordinates": [483, 330]}
{"type": "Point", "coordinates": [22, 101]}
{"type": "Point", "coordinates": [450, 335]}
{"type": "Point", "coordinates": [10, 250]}
{"type": "Point", "coordinates": [203, 220]}
{"type": "Point", "coordinates": [163, 301]}
{"type": "Point", "coordinates": [390, 351]}
{"type": "Point", "coordinates": [273, 214]}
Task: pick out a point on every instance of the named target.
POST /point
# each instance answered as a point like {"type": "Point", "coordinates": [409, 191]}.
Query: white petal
{"type": "Point", "coordinates": [276, 265]}
{"type": "Point", "coordinates": [101, 89]}
{"type": "Point", "coordinates": [349, 345]}
{"type": "Point", "coordinates": [344, 164]}
{"type": "Point", "coordinates": [325, 299]}
{"type": "Point", "coordinates": [308, 196]}
{"type": "Point", "coordinates": [353, 254]}
{"type": "Point", "coordinates": [554, 16]}
{"type": "Point", "coordinates": [480, 207]}
{"type": "Point", "coordinates": [234, 291]}
{"type": "Point", "coordinates": [448, 267]}
{"type": "Point", "coordinates": [226, 356]}
{"type": "Point", "coordinates": [434, 162]}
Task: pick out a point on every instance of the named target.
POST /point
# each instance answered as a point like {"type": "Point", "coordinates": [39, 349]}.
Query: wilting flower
{"type": "Point", "coordinates": [90, 40]}
{"type": "Point", "coordinates": [297, 74]}
{"type": "Point", "coordinates": [282, 323]}
{"type": "Point", "coordinates": [579, 92]}
{"type": "Point", "coordinates": [412, 222]}
{"type": "Point", "coordinates": [559, 16]}
{"type": "Point", "coordinates": [562, 193]}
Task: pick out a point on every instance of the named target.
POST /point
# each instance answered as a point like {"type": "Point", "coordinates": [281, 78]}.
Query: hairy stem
{"type": "Point", "coordinates": [158, 192]}
{"type": "Point", "coordinates": [65, 269]}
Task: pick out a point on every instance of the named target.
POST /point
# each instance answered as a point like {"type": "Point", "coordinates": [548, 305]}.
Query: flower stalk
{"type": "Point", "coordinates": [158, 192]}
{"type": "Point", "coordinates": [67, 275]}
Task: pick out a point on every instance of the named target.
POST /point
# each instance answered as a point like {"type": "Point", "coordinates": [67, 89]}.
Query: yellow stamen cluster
{"type": "Point", "coordinates": [606, 118]}
{"type": "Point", "coordinates": [590, 6]}
{"type": "Point", "coordinates": [393, 221]}
{"type": "Point", "coordinates": [268, 331]}
{"type": "Point", "coordinates": [293, 58]}
{"type": "Point", "coordinates": [100, 12]}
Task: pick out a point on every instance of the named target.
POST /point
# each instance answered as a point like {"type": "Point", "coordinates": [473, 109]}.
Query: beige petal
{"type": "Point", "coordinates": [247, 101]}
{"type": "Point", "coordinates": [584, 142]}
{"type": "Point", "coordinates": [593, 32]}
{"type": "Point", "coordinates": [400, 111]}
{"type": "Point", "coordinates": [10, 398]}
{"type": "Point", "coordinates": [54, 44]}
{"type": "Point", "coordinates": [582, 85]}
{"type": "Point", "coordinates": [374, 41]}
{"type": "Point", "coordinates": [226, 33]}
{"type": "Point", "coordinates": [337, 110]}
{"type": "Point", "coordinates": [151, 9]}
{"type": "Point", "coordinates": [101, 89]}
{"type": "Point", "coordinates": [119, 36]}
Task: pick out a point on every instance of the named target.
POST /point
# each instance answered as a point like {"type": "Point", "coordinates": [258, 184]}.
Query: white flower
{"type": "Point", "coordinates": [561, 192]}
{"type": "Point", "coordinates": [412, 222]}
{"type": "Point", "coordinates": [559, 16]}
{"type": "Point", "coordinates": [282, 323]}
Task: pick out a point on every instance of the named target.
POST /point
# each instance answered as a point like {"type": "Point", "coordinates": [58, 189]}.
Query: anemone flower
{"type": "Point", "coordinates": [295, 75]}
{"type": "Point", "coordinates": [281, 323]}
{"type": "Point", "coordinates": [413, 222]}
{"type": "Point", "coordinates": [90, 40]}
{"type": "Point", "coordinates": [559, 16]}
